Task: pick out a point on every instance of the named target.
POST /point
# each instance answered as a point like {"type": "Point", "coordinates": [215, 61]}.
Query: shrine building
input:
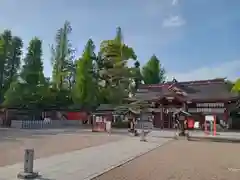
{"type": "Point", "coordinates": [200, 98]}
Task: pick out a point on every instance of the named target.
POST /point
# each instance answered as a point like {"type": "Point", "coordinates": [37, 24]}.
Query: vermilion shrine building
{"type": "Point", "coordinates": [200, 98]}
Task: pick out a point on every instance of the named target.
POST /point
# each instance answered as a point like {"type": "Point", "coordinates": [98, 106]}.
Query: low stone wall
{"type": "Point", "coordinates": [40, 124]}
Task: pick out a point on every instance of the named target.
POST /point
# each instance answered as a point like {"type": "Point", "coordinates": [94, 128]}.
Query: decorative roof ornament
{"type": "Point", "coordinates": [174, 80]}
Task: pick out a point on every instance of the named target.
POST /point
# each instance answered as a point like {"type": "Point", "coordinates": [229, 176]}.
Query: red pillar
{"type": "Point", "coordinates": [214, 126]}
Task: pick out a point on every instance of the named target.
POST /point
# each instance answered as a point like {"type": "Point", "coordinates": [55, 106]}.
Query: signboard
{"type": "Point", "coordinates": [196, 125]}
{"type": "Point", "coordinates": [99, 119]}
{"type": "Point", "coordinates": [217, 107]}
{"type": "Point", "coordinates": [206, 110]}
{"type": "Point", "coordinates": [210, 105]}
{"type": "Point", "coordinates": [209, 118]}
{"type": "Point", "coordinates": [98, 124]}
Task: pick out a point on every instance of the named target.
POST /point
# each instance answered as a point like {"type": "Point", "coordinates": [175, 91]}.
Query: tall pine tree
{"type": "Point", "coordinates": [27, 90]}
{"type": "Point", "coordinates": [10, 55]}
{"type": "Point", "coordinates": [5, 49]}
{"type": "Point", "coordinates": [115, 74]}
{"type": "Point", "coordinates": [85, 89]}
{"type": "Point", "coordinates": [153, 72]}
{"type": "Point", "coordinates": [62, 58]}
{"type": "Point", "coordinates": [12, 65]}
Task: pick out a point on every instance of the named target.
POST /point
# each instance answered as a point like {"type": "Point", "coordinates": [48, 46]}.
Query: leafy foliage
{"type": "Point", "coordinates": [85, 81]}
{"type": "Point", "coordinates": [153, 72]}
{"type": "Point", "coordinates": [236, 86]}
{"type": "Point", "coordinates": [115, 74]}
{"type": "Point", "coordinates": [31, 81]}
{"type": "Point", "coordinates": [13, 64]}
{"type": "Point", "coordinates": [62, 58]}
{"type": "Point", "coordinates": [137, 76]}
{"type": "Point", "coordinates": [85, 88]}
{"type": "Point", "coordinates": [10, 52]}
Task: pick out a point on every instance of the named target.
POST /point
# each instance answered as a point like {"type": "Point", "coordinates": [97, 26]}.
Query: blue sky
{"type": "Point", "coordinates": [194, 39]}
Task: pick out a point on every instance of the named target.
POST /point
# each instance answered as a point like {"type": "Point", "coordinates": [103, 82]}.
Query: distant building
{"type": "Point", "coordinates": [200, 98]}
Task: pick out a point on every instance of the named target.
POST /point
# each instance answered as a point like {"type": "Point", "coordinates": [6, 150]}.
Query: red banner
{"type": "Point", "coordinates": [190, 123]}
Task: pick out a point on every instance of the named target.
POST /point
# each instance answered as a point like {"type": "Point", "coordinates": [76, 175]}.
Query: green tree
{"type": "Point", "coordinates": [14, 94]}
{"type": "Point", "coordinates": [2, 63]}
{"type": "Point", "coordinates": [153, 72]}
{"type": "Point", "coordinates": [137, 76]}
{"type": "Point", "coordinates": [236, 86]}
{"type": "Point", "coordinates": [5, 49]}
{"type": "Point", "coordinates": [10, 55]}
{"type": "Point", "coordinates": [62, 58]}
{"type": "Point", "coordinates": [12, 65]}
{"type": "Point", "coordinates": [85, 88]}
{"type": "Point", "coordinates": [28, 89]}
{"type": "Point", "coordinates": [32, 71]}
{"type": "Point", "coordinates": [115, 75]}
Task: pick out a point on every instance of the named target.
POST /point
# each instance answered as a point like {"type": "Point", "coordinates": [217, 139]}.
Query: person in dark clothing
{"type": "Point", "coordinates": [181, 124]}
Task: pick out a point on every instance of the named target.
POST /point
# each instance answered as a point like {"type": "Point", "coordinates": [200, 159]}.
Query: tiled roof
{"type": "Point", "coordinates": [195, 90]}
{"type": "Point", "coordinates": [218, 90]}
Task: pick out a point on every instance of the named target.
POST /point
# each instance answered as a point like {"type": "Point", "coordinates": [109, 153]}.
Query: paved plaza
{"type": "Point", "coordinates": [80, 154]}
{"type": "Point", "coordinates": [88, 162]}
{"type": "Point", "coordinates": [182, 160]}
{"type": "Point", "coordinates": [47, 142]}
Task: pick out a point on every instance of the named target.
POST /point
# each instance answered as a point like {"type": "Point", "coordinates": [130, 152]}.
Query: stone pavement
{"type": "Point", "coordinates": [86, 163]}
{"type": "Point", "coordinates": [171, 134]}
{"type": "Point", "coordinates": [182, 160]}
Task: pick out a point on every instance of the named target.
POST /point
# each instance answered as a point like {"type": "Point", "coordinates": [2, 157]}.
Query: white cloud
{"type": "Point", "coordinates": [173, 21]}
{"type": "Point", "coordinates": [174, 2]}
{"type": "Point", "coordinates": [230, 70]}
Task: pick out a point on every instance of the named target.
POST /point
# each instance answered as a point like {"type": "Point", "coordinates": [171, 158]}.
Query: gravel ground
{"type": "Point", "coordinates": [182, 160]}
{"type": "Point", "coordinates": [12, 150]}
